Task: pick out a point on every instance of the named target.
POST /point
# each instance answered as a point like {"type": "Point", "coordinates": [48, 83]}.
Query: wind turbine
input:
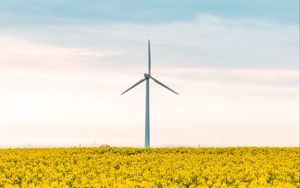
{"type": "Point", "coordinates": [147, 77]}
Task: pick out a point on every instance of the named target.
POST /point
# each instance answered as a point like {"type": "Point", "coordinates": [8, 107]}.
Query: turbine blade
{"type": "Point", "coordinates": [163, 85]}
{"type": "Point", "coordinates": [134, 85]}
{"type": "Point", "coordinates": [149, 58]}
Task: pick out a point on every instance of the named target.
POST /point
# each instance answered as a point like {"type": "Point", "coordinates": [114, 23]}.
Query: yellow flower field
{"type": "Point", "coordinates": [155, 167]}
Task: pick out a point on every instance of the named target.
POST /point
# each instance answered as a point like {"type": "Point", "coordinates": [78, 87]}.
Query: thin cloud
{"type": "Point", "coordinates": [205, 42]}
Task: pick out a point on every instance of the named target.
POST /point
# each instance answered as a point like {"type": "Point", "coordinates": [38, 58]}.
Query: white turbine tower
{"type": "Point", "coordinates": [147, 77]}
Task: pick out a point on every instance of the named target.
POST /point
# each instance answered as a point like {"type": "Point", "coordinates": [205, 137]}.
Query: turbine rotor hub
{"type": "Point", "coordinates": [147, 76]}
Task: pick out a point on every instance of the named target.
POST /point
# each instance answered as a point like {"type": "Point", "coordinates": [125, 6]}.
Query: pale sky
{"type": "Point", "coordinates": [64, 64]}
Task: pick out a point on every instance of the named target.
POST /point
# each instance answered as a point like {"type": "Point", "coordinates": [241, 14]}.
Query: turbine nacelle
{"type": "Point", "coordinates": [147, 76]}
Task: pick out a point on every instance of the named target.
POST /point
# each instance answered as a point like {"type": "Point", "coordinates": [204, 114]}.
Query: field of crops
{"type": "Point", "coordinates": [161, 167]}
